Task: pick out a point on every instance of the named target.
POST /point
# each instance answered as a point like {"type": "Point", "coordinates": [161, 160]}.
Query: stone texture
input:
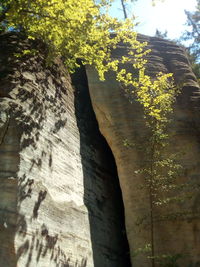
{"type": "Point", "coordinates": [60, 203]}
{"type": "Point", "coordinates": [120, 120]}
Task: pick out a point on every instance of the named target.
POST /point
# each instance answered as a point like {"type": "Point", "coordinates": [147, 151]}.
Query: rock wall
{"type": "Point", "coordinates": [60, 202]}
{"type": "Point", "coordinates": [119, 120]}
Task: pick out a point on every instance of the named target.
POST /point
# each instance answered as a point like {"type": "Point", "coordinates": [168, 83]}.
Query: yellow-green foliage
{"type": "Point", "coordinates": [84, 30]}
{"type": "Point", "coordinates": [76, 30]}
{"type": "Point", "coordinates": [157, 96]}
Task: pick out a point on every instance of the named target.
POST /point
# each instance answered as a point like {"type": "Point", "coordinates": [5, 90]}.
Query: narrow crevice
{"type": "Point", "coordinates": [102, 193]}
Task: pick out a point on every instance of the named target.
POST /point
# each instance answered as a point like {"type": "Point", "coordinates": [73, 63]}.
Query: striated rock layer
{"type": "Point", "coordinates": [60, 203]}
{"type": "Point", "coordinates": [119, 120]}
{"type": "Point", "coordinates": [59, 193]}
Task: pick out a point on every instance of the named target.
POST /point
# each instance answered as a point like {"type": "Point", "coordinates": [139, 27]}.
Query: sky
{"type": "Point", "coordinates": [165, 15]}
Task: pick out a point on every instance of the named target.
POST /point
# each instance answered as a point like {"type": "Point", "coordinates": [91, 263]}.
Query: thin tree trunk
{"type": "Point", "coordinates": [152, 229]}
{"type": "Point", "coordinates": [124, 9]}
{"type": "Point", "coordinates": [151, 205]}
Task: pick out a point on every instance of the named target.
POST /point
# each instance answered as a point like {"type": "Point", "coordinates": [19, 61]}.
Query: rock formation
{"type": "Point", "coordinates": [120, 120]}
{"type": "Point", "coordinates": [59, 194]}
{"type": "Point", "coordinates": [60, 200]}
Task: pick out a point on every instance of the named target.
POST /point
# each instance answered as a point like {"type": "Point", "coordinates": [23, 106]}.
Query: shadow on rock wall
{"type": "Point", "coordinates": [33, 126]}
{"type": "Point", "coordinates": [102, 193]}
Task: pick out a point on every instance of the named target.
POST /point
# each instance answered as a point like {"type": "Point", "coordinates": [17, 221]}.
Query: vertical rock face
{"type": "Point", "coordinates": [60, 203]}
{"type": "Point", "coordinates": [59, 197]}
{"type": "Point", "coordinates": [119, 120]}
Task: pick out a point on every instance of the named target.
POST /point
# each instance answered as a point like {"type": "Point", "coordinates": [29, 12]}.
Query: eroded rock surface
{"type": "Point", "coordinates": [59, 197]}
{"type": "Point", "coordinates": [119, 120]}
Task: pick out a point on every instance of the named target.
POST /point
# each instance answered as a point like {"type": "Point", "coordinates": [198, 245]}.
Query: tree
{"type": "Point", "coordinates": [160, 34]}
{"type": "Point", "coordinates": [194, 61]}
{"type": "Point", "coordinates": [157, 99]}
{"type": "Point", "coordinates": [193, 35]}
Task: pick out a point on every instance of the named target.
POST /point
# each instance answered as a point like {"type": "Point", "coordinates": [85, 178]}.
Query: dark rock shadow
{"type": "Point", "coordinates": [102, 193]}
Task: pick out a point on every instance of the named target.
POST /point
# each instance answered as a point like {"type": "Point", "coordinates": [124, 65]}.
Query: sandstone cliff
{"type": "Point", "coordinates": [59, 194]}
{"type": "Point", "coordinates": [120, 120]}
{"type": "Point", "coordinates": [60, 201]}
